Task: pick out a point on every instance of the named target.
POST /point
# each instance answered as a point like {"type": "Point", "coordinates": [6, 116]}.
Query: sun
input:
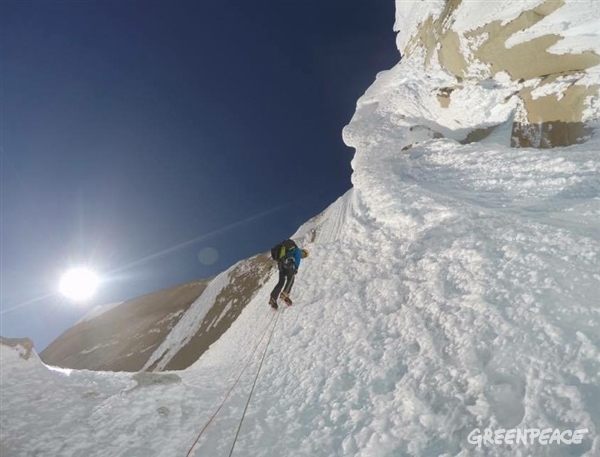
{"type": "Point", "coordinates": [78, 284]}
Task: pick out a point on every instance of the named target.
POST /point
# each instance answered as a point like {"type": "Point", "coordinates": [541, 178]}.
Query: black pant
{"type": "Point", "coordinates": [286, 278]}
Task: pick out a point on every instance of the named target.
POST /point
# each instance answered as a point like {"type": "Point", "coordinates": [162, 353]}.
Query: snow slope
{"type": "Point", "coordinates": [454, 287]}
{"type": "Point", "coordinates": [468, 300]}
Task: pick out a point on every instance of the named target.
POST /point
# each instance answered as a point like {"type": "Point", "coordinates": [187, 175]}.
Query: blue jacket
{"type": "Point", "coordinates": [296, 254]}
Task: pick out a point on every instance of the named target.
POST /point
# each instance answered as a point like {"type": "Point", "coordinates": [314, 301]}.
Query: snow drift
{"type": "Point", "coordinates": [453, 288]}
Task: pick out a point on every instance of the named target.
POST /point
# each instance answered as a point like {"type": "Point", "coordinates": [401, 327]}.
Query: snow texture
{"type": "Point", "coordinates": [480, 13]}
{"type": "Point", "coordinates": [454, 287]}
{"type": "Point", "coordinates": [577, 22]}
{"type": "Point", "coordinates": [409, 16]}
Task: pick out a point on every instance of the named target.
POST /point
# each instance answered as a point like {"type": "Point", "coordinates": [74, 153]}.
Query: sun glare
{"type": "Point", "coordinates": [78, 284]}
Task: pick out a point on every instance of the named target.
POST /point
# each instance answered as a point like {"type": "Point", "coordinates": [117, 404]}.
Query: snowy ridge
{"type": "Point", "coordinates": [453, 288]}
{"type": "Point", "coordinates": [189, 323]}
{"type": "Point", "coordinates": [327, 226]}
{"type": "Point", "coordinates": [407, 330]}
{"type": "Point", "coordinates": [98, 311]}
{"type": "Point", "coordinates": [410, 15]}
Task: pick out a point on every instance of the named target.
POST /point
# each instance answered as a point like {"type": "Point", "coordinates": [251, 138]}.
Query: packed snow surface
{"type": "Point", "coordinates": [454, 287]}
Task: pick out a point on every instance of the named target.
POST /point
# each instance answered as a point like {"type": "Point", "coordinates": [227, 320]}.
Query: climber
{"type": "Point", "coordinates": [288, 256]}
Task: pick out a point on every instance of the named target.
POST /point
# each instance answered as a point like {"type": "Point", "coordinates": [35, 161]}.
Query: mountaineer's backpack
{"type": "Point", "coordinates": [280, 250]}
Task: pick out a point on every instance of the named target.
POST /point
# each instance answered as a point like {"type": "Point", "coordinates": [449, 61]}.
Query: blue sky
{"type": "Point", "coordinates": [131, 130]}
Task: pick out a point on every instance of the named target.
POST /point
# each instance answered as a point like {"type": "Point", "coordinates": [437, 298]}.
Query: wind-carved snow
{"type": "Point", "coordinates": [574, 23]}
{"type": "Point", "coordinates": [479, 14]}
{"type": "Point", "coordinates": [454, 287]}
{"type": "Point", "coordinates": [497, 256]}
{"type": "Point", "coordinates": [409, 15]}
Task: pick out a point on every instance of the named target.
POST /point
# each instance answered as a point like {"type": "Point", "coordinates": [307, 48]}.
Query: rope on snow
{"type": "Point", "coordinates": [254, 384]}
{"type": "Point", "coordinates": [234, 384]}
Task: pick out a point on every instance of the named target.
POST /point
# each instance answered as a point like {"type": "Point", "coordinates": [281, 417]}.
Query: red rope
{"type": "Point", "coordinates": [231, 389]}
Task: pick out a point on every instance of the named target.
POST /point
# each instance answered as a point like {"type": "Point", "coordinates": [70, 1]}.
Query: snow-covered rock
{"type": "Point", "coordinates": [543, 55]}
{"type": "Point", "coordinates": [21, 346]}
{"type": "Point", "coordinates": [169, 329]}
{"type": "Point", "coordinates": [453, 289]}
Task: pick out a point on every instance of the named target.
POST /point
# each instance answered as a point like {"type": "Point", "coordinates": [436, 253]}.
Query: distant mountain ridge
{"type": "Point", "coordinates": [165, 330]}
{"type": "Point", "coordinates": [453, 290]}
{"type": "Point", "coordinates": [125, 337]}
{"type": "Point", "coordinates": [122, 338]}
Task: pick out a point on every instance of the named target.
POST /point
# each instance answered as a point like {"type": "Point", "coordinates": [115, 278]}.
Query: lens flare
{"type": "Point", "coordinates": [78, 284]}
